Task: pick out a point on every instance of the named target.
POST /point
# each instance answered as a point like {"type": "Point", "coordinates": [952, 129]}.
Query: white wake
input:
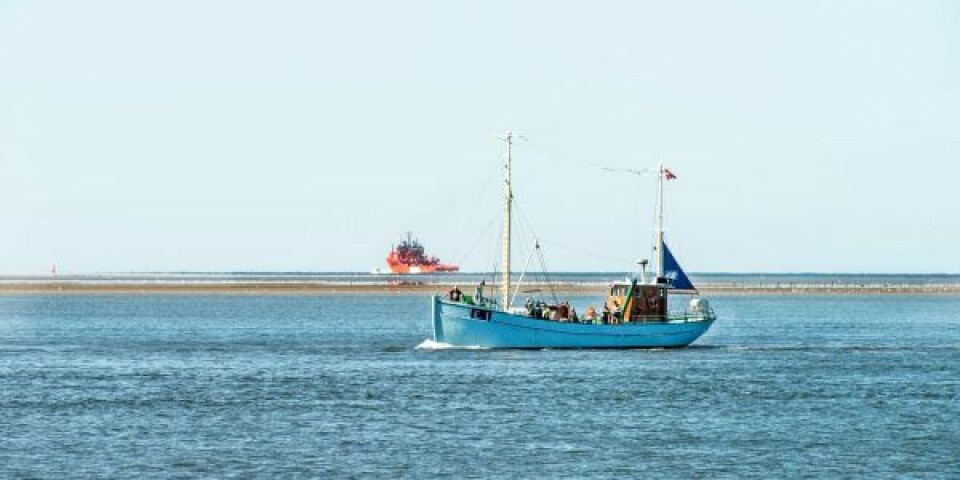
{"type": "Point", "coordinates": [430, 344]}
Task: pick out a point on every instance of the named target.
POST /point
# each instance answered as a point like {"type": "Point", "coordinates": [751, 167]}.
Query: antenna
{"type": "Point", "coordinates": [512, 135]}
{"type": "Point", "coordinates": [640, 174]}
{"type": "Point", "coordinates": [643, 275]}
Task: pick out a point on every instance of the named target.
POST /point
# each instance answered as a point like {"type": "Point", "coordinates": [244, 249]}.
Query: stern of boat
{"type": "Point", "coordinates": [437, 322]}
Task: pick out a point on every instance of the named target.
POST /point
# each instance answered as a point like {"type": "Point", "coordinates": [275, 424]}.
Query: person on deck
{"type": "Point", "coordinates": [478, 297]}
{"type": "Point", "coordinates": [456, 294]}
{"type": "Point", "coordinates": [615, 317]}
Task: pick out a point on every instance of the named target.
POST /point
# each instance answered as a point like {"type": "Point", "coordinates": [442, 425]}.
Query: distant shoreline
{"type": "Point", "coordinates": [416, 288]}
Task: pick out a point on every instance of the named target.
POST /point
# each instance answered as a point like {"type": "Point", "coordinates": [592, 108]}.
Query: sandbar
{"type": "Point", "coordinates": [53, 287]}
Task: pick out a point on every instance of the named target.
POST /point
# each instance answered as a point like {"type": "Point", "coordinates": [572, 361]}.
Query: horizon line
{"type": "Point", "coordinates": [361, 272]}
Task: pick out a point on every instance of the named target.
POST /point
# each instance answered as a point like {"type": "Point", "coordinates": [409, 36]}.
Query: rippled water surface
{"type": "Point", "coordinates": [162, 386]}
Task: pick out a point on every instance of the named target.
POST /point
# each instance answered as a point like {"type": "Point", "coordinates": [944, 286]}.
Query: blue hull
{"type": "Point", "coordinates": [466, 325]}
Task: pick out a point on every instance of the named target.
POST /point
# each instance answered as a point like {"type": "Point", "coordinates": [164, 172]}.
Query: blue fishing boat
{"type": "Point", "coordinates": [637, 313]}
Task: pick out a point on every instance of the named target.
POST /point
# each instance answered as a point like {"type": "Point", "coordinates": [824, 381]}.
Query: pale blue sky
{"type": "Point", "coordinates": [205, 135]}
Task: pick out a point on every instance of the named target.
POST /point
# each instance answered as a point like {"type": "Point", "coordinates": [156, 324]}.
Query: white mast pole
{"type": "Point", "coordinates": [508, 202]}
{"type": "Point", "coordinates": [661, 271]}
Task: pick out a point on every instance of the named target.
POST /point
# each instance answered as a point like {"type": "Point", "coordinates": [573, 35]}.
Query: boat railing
{"type": "Point", "coordinates": [674, 317]}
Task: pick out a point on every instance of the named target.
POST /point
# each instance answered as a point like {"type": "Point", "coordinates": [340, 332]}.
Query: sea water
{"type": "Point", "coordinates": [335, 386]}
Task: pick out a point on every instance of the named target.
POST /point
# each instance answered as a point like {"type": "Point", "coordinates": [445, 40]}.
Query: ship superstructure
{"type": "Point", "coordinates": [409, 257]}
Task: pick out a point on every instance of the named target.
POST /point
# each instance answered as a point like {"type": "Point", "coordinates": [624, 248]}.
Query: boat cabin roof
{"type": "Point", "coordinates": [621, 288]}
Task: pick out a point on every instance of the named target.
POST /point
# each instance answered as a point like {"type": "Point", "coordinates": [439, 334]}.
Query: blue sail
{"type": "Point", "coordinates": [672, 270]}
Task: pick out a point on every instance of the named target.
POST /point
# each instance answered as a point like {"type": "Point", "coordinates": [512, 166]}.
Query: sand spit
{"type": "Point", "coordinates": [417, 288]}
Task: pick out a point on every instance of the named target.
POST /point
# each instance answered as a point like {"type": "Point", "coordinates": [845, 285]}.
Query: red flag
{"type": "Point", "coordinates": [668, 174]}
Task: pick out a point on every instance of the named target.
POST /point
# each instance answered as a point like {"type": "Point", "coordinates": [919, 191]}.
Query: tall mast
{"type": "Point", "coordinates": [505, 241]}
{"type": "Point", "coordinates": [661, 272]}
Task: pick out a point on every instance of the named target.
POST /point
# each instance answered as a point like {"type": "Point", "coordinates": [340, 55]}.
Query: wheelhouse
{"type": "Point", "coordinates": [632, 302]}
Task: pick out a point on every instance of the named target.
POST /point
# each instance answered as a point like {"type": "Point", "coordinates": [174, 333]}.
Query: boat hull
{"type": "Point", "coordinates": [465, 325]}
{"type": "Point", "coordinates": [405, 269]}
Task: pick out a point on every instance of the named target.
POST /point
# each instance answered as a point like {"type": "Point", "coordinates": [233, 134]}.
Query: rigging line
{"type": "Point", "coordinates": [476, 241]}
{"type": "Point", "coordinates": [581, 251]}
{"type": "Point", "coordinates": [636, 227]}
{"type": "Point", "coordinates": [544, 272]}
{"type": "Point", "coordinates": [526, 236]}
{"type": "Point", "coordinates": [635, 233]}
{"type": "Point", "coordinates": [533, 241]}
{"type": "Point", "coordinates": [560, 158]}
{"type": "Point", "coordinates": [427, 218]}
{"type": "Point", "coordinates": [516, 289]}
{"type": "Point", "coordinates": [497, 258]}
{"type": "Point", "coordinates": [471, 217]}
{"type": "Point", "coordinates": [452, 194]}
{"type": "Point", "coordinates": [523, 237]}
{"type": "Point", "coordinates": [653, 236]}
{"type": "Point", "coordinates": [529, 225]}
{"type": "Point", "coordinates": [523, 217]}
{"type": "Point", "coordinates": [525, 226]}
{"type": "Point", "coordinates": [543, 265]}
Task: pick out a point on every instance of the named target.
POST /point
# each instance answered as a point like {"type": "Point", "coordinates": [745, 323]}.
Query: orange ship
{"type": "Point", "coordinates": [409, 257]}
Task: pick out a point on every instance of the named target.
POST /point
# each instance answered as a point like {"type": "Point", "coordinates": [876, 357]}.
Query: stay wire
{"type": "Point", "coordinates": [545, 276]}
{"type": "Point", "coordinates": [473, 215]}
{"type": "Point", "coordinates": [478, 239]}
